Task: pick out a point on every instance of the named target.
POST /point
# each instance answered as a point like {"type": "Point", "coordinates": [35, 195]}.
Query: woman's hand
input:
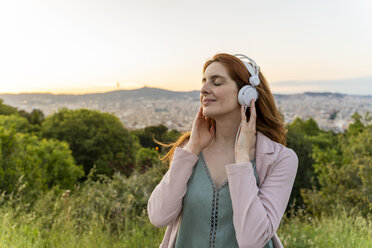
{"type": "Point", "coordinates": [247, 134]}
{"type": "Point", "coordinates": [202, 133]}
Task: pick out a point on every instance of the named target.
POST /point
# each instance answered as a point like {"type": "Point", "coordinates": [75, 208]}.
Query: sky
{"type": "Point", "coordinates": [86, 46]}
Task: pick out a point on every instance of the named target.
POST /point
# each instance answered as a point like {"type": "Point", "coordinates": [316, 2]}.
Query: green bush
{"type": "Point", "coordinates": [19, 124]}
{"type": "Point", "coordinates": [6, 109]}
{"type": "Point", "coordinates": [146, 158]}
{"type": "Point", "coordinates": [40, 164]}
{"type": "Point", "coordinates": [344, 172]}
{"type": "Point", "coordinates": [111, 202]}
{"type": "Point", "coordinates": [148, 135]}
{"type": "Point", "coordinates": [302, 137]}
{"type": "Point", "coordinates": [95, 138]}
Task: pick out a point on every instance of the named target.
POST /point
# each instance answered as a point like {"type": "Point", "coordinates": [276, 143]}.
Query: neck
{"type": "Point", "coordinates": [226, 131]}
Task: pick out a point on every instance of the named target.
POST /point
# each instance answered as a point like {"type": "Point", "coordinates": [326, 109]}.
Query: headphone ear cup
{"type": "Point", "coordinates": [254, 80]}
{"type": "Point", "coordinates": [246, 94]}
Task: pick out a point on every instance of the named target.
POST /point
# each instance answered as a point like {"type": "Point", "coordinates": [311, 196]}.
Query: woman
{"type": "Point", "coordinates": [230, 178]}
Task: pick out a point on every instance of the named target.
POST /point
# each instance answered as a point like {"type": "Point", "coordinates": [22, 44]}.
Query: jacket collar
{"type": "Point", "coordinates": [264, 144]}
{"type": "Point", "coordinates": [265, 155]}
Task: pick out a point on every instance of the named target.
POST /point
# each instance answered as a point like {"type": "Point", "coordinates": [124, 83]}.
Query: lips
{"type": "Point", "coordinates": [208, 101]}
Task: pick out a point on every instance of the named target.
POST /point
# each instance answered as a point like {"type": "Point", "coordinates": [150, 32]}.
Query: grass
{"type": "Point", "coordinates": [93, 216]}
{"type": "Point", "coordinates": [341, 229]}
{"type": "Point", "coordinates": [25, 230]}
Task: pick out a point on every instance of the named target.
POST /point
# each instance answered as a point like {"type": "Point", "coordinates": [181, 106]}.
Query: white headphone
{"type": "Point", "coordinates": [247, 92]}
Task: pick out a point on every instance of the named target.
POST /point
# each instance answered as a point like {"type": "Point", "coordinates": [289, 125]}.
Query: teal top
{"type": "Point", "coordinates": [207, 214]}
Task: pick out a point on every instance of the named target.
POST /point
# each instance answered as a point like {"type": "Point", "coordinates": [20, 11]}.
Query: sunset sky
{"type": "Point", "coordinates": [84, 46]}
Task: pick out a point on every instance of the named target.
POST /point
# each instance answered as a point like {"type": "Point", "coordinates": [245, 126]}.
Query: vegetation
{"type": "Point", "coordinates": [96, 139]}
{"type": "Point", "coordinates": [6, 109]}
{"type": "Point", "coordinates": [344, 172]}
{"type": "Point", "coordinates": [79, 178]}
{"type": "Point", "coordinates": [39, 164]}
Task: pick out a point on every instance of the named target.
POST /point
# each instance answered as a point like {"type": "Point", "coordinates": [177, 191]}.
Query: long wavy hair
{"type": "Point", "coordinates": [269, 120]}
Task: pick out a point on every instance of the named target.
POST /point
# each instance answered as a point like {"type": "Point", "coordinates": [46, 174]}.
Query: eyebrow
{"type": "Point", "coordinates": [213, 77]}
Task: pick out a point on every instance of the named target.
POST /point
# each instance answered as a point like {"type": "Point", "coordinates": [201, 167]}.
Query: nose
{"type": "Point", "coordinates": [204, 89]}
{"type": "Point", "coordinates": [203, 92]}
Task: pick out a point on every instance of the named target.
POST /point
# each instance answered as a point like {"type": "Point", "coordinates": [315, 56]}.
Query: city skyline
{"type": "Point", "coordinates": [357, 86]}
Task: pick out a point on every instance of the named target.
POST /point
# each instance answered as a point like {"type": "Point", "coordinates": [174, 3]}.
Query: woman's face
{"type": "Point", "coordinates": [219, 87]}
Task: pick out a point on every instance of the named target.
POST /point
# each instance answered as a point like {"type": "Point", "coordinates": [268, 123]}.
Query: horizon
{"type": "Point", "coordinates": [159, 88]}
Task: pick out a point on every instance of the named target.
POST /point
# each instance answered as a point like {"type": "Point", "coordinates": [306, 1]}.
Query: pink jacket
{"type": "Point", "coordinates": [257, 210]}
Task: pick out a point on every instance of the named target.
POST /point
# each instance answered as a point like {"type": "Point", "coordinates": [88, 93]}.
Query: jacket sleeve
{"type": "Point", "coordinates": [258, 211]}
{"type": "Point", "coordinates": [165, 202]}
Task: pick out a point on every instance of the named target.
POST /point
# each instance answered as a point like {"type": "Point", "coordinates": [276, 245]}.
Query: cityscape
{"type": "Point", "coordinates": [147, 106]}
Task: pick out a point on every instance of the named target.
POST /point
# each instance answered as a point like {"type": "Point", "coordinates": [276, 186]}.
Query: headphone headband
{"type": "Point", "coordinates": [252, 67]}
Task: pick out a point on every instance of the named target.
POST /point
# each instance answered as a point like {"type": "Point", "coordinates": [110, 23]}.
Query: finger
{"type": "Point", "coordinates": [201, 116]}
{"type": "Point", "coordinates": [252, 117]}
{"type": "Point", "coordinates": [253, 109]}
{"type": "Point", "coordinates": [200, 112]}
{"type": "Point", "coordinates": [242, 112]}
{"type": "Point", "coordinates": [211, 129]}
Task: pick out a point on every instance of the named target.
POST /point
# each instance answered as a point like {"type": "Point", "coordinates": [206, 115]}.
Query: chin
{"type": "Point", "coordinates": [208, 113]}
{"type": "Point", "coordinates": [217, 112]}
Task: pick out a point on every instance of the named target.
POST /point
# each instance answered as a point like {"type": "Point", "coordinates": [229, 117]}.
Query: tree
{"type": "Point", "coordinates": [146, 158]}
{"type": "Point", "coordinates": [148, 134]}
{"type": "Point", "coordinates": [41, 164]}
{"type": "Point", "coordinates": [145, 139]}
{"type": "Point", "coordinates": [6, 109]}
{"type": "Point", "coordinates": [333, 115]}
{"type": "Point", "coordinates": [344, 171]}
{"type": "Point", "coordinates": [171, 136]}
{"type": "Point", "coordinates": [160, 133]}
{"type": "Point", "coordinates": [36, 117]}
{"type": "Point", "coordinates": [95, 138]}
{"type": "Point", "coordinates": [359, 123]}
{"type": "Point", "coordinates": [301, 137]}
{"type": "Point", "coordinates": [20, 124]}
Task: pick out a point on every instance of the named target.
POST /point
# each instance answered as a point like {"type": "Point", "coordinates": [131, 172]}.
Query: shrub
{"type": "Point", "coordinates": [344, 173]}
{"type": "Point", "coordinates": [95, 138]}
{"type": "Point", "coordinates": [40, 164]}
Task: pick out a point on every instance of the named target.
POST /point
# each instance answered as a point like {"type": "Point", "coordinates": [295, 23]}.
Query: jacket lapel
{"type": "Point", "coordinates": [265, 155]}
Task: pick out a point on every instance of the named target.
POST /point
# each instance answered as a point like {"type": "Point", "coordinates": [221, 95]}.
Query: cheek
{"type": "Point", "coordinates": [231, 100]}
{"type": "Point", "coordinates": [228, 95]}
